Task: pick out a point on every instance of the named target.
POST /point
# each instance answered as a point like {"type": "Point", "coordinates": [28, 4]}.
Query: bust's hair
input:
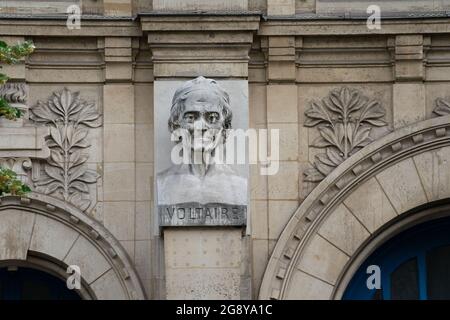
{"type": "Point", "coordinates": [198, 83]}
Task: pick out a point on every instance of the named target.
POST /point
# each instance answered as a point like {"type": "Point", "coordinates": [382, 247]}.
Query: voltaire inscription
{"type": "Point", "coordinates": [188, 214]}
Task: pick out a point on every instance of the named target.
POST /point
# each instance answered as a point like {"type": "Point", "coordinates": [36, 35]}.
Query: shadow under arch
{"type": "Point", "coordinates": [49, 234]}
{"type": "Point", "coordinates": [401, 169]}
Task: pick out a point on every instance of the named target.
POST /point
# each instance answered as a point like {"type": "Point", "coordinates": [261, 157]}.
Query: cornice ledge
{"type": "Point", "coordinates": [164, 22]}
{"type": "Point", "coordinates": [278, 26]}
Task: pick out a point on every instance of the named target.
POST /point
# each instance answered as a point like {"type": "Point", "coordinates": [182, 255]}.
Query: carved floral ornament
{"type": "Point", "coordinates": [442, 107]}
{"type": "Point", "coordinates": [65, 173]}
{"type": "Point", "coordinates": [344, 119]}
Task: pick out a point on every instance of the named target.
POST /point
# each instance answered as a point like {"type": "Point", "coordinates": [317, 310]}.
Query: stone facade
{"type": "Point", "coordinates": [92, 94]}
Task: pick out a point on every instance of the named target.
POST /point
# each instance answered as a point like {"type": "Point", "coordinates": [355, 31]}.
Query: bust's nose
{"type": "Point", "coordinates": [200, 125]}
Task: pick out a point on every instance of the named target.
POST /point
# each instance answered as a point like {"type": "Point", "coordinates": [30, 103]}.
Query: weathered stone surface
{"type": "Point", "coordinates": [305, 287]}
{"type": "Point", "coordinates": [118, 103]}
{"type": "Point", "coordinates": [282, 104]}
{"type": "Point", "coordinates": [15, 234]}
{"type": "Point", "coordinates": [284, 184]}
{"type": "Point", "coordinates": [119, 181]}
{"type": "Point", "coordinates": [408, 103]}
{"type": "Point", "coordinates": [119, 143]}
{"type": "Point", "coordinates": [85, 255]}
{"type": "Point", "coordinates": [52, 238]}
{"type": "Point", "coordinates": [323, 260]}
{"type": "Point", "coordinates": [402, 186]}
{"type": "Point", "coordinates": [203, 284]}
{"type": "Point", "coordinates": [279, 214]}
{"type": "Point", "coordinates": [281, 7]}
{"type": "Point", "coordinates": [370, 205]}
{"type": "Point", "coordinates": [119, 218]}
{"type": "Point", "coordinates": [434, 171]}
{"type": "Point", "coordinates": [343, 230]}
{"type": "Point", "coordinates": [260, 253]}
{"type": "Point", "coordinates": [199, 5]}
{"type": "Point", "coordinates": [108, 286]}
{"type": "Point", "coordinates": [203, 264]}
{"type": "Point", "coordinates": [259, 219]}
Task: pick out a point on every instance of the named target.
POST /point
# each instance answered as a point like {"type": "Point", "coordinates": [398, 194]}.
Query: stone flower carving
{"type": "Point", "coordinates": [65, 173]}
{"type": "Point", "coordinates": [344, 119]}
{"type": "Point", "coordinates": [442, 107]}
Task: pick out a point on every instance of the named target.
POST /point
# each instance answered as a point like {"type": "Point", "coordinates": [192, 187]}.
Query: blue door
{"type": "Point", "coordinates": [414, 265]}
{"type": "Point", "coordinates": [31, 284]}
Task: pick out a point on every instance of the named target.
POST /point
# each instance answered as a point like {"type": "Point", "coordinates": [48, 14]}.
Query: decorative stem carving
{"type": "Point", "coordinates": [344, 119]}
{"type": "Point", "coordinates": [65, 174]}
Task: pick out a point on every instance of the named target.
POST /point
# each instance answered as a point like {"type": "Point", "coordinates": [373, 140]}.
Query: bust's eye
{"type": "Point", "coordinates": [189, 117]}
{"type": "Point", "coordinates": [212, 117]}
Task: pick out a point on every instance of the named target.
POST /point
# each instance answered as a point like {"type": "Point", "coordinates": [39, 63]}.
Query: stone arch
{"type": "Point", "coordinates": [346, 213]}
{"type": "Point", "coordinates": [48, 234]}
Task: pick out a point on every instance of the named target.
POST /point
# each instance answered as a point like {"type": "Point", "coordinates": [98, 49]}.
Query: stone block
{"type": "Point", "coordinates": [342, 229]}
{"type": "Point", "coordinates": [119, 219]}
{"type": "Point", "coordinates": [305, 287]}
{"type": "Point", "coordinates": [284, 184]}
{"type": "Point", "coordinates": [199, 5]}
{"type": "Point", "coordinates": [434, 171]}
{"type": "Point", "coordinates": [143, 95]}
{"type": "Point", "coordinates": [202, 248]}
{"type": "Point", "coordinates": [282, 103]}
{"type": "Point", "coordinates": [260, 259]}
{"type": "Point", "coordinates": [51, 237]}
{"type": "Point", "coordinates": [259, 220]}
{"type": "Point", "coordinates": [118, 100]}
{"type": "Point", "coordinates": [15, 233]}
{"type": "Point", "coordinates": [203, 263]}
{"type": "Point", "coordinates": [280, 7]}
{"type": "Point", "coordinates": [119, 143]}
{"type": "Point", "coordinates": [144, 181]}
{"type": "Point", "coordinates": [117, 7]}
{"type": "Point", "coordinates": [288, 143]}
{"type": "Point", "coordinates": [323, 260]}
{"type": "Point", "coordinates": [203, 284]}
{"type": "Point", "coordinates": [143, 220]}
{"type": "Point", "coordinates": [143, 253]}
{"type": "Point", "coordinates": [144, 142]}
{"type": "Point", "coordinates": [370, 205]}
{"type": "Point", "coordinates": [257, 104]}
{"type": "Point", "coordinates": [85, 255]}
{"type": "Point", "coordinates": [108, 287]}
{"type": "Point", "coordinates": [119, 181]}
{"type": "Point", "coordinates": [408, 103]}
{"type": "Point", "coordinates": [402, 185]}
{"type": "Point", "coordinates": [280, 212]}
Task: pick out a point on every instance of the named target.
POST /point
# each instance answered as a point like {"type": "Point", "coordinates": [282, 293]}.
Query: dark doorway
{"type": "Point", "coordinates": [414, 265]}
{"type": "Point", "coordinates": [31, 284]}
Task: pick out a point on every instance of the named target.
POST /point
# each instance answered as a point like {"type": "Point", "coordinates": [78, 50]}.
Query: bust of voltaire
{"type": "Point", "coordinates": [201, 108]}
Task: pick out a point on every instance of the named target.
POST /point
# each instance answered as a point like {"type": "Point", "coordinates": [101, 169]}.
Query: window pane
{"type": "Point", "coordinates": [405, 281]}
{"type": "Point", "coordinates": [438, 273]}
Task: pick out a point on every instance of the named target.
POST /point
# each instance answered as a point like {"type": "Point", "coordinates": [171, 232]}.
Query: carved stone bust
{"type": "Point", "coordinates": [202, 105]}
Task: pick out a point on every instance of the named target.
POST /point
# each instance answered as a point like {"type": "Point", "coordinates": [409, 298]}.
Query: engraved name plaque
{"type": "Point", "coordinates": [196, 214]}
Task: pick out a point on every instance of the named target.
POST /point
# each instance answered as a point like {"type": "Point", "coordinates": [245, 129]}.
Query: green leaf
{"type": "Point", "coordinates": [3, 78]}
{"type": "Point", "coordinates": [9, 184]}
